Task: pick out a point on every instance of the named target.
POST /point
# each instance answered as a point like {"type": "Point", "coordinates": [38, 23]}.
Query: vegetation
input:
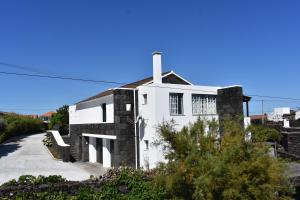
{"type": "Point", "coordinates": [13, 124]}
{"type": "Point", "coordinates": [202, 167]}
{"type": "Point", "coordinates": [125, 183]}
{"type": "Point", "coordinates": [47, 141]}
{"type": "Point", "coordinates": [60, 120]}
{"type": "Point", "coordinates": [32, 180]}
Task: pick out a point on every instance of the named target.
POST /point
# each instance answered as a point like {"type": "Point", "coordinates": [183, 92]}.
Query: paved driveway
{"type": "Point", "coordinates": [28, 155]}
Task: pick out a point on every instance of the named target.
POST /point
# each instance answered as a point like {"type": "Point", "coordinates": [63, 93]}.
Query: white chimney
{"type": "Point", "coordinates": [157, 67]}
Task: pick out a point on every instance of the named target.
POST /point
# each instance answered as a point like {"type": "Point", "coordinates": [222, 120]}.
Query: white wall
{"type": "Point", "coordinates": [277, 114]}
{"type": "Point", "coordinates": [157, 110]}
{"type": "Point", "coordinates": [297, 116]}
{"type": "Point", "coordinates": [91, 112]}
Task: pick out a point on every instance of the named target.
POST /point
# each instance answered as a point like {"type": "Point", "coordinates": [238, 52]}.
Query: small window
{"type": "Point", "coordinates": [146, 144]}
{"type": "Point", "coordinates": [128, 107]}
{"type": "Point", "coordinates": [103, 112]}
{"type": "Point", "coordinates": [176, 103]}
{"type": "Point", "coordinates": [145, 100]}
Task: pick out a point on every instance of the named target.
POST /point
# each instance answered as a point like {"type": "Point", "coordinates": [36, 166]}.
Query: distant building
{"type": "Point", "coordinates": [47, 116]}
{"type": "Point", "coordinates": [297, 115]}
{"type": "Point", "coordinates": [278, 114]}
{"type": "Point", "coordinates": [258, 119]}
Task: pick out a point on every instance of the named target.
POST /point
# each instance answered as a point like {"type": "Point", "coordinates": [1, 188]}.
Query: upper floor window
{"type": "Point", "coordinates": [103, 112]}
{"type": "Point", "coordinates": [204, 104]}
{"type": "Point", "coordinates": [145, 100]}
{"type": "Point", "coordinates": [176, 103]}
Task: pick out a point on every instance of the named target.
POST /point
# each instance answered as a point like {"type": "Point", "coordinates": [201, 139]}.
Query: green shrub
{"type": "Point", "coordinates": [125, 183]}
{"type": "Point", "coordinates": [60, 120]}
{"type": "Point", "coordinates": [197, 168]}
{"type": "Point", "coordinates": [130, 184]}
{"type": "Point", "coordinates": [3, 125]}
{"type": "Point", "coordinates": [18, 125]}
{"type": "Point", "coordinates": [32, 180]}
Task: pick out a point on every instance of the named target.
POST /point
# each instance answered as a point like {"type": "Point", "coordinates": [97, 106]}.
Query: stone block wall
{"type": "Point", "coordinates": [230, 105]}
{"type": "Point", "coordinates": [123, 128]}
{"type": "Point", "coordinates": [291, 142]}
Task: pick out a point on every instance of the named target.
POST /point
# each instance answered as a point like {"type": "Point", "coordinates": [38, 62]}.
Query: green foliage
{"type": "Point", "coordinates": [32, 180]}
{"type": "Point", "coordinates": [201, 167]}
{"type": "Point", "coordinates": [47, 141]}
{"type": "Point", "coordinates": [130, 185]}
{"type": "Point", "coordinates": [3, 125]}
{"type": "Point", "coordinates": [18, 125]}
{"type": "Point", "coordinates": [127, 183]}
{"type": "Point", "coordinates": [263, 133]}
{"type": "Point", "coordinates": [61, 120]}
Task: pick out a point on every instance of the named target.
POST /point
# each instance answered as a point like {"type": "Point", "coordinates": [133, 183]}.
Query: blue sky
{"type": "Point", "coordinates": [251, 43]}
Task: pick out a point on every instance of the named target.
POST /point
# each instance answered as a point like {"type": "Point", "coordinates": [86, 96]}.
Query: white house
{"type": "Point", "coordinates": [277, 114]}
{"type": "Point", "coordinates": [119, 126]}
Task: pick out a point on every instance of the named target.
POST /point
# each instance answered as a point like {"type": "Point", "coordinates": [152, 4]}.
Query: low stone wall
{"type": "Point", "coordinates": [69, 187]}
{"type": "Point", "coordinates": [64, 151]}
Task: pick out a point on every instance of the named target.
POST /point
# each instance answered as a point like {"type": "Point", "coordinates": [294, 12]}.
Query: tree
{"type": "Point", "coordinates": [201, 167]}
{"type": "Point", "coordinates": [60, 120]}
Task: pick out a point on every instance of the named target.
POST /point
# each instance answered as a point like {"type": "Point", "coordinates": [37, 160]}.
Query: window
{"type": "Point", "coordinates": [103, 112]}
{"type": "Point", "coordinates": [145, 99]}
{"type": "Point", "coordinates": [128, 106]}
{"type": "Point", "coordinates": [146, 145]}
{"type": "Point", "coordinates": [204, 104]}
{"type": "Point", "coordinates": [176, 103]}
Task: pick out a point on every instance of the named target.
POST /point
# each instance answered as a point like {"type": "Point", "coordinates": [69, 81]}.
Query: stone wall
{"type": "Point", "coordinates": [230, 105]}
{"type": "Point", "coordinates": [291, 141]}
{"type": "Point", "coordinates": [64, 151]}
{"type": "Point", "coordinates": [123, 128]}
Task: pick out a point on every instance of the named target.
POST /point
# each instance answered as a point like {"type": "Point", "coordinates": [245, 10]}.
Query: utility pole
{"type": "Point", "coordinates": [262, 111]}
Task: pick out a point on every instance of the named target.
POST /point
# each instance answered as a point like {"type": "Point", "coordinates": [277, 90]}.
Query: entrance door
{"type": "Point", "coordinates": [99, 150]}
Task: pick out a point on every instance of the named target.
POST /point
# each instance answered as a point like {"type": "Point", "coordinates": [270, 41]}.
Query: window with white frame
{"type": "Point", "coordinates": [204, 104]}
{"type": "Point", "coordinates": [176, 103]}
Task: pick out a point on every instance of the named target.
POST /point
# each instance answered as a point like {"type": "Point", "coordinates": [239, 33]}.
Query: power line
{"type": "Point", "coordinates": [272, 97]}
{"type": "Point", "coordinates": [60, 77]}
{"type": "Point", "coordinates": [123, 83]}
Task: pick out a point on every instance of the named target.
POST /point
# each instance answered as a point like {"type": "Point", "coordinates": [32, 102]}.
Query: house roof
{"type": "Point", "coordinates": [135, 85]}
{"type": "Point", "coordinates": [48, 114]}
{"type": "Point", "coordinates": [255, 117]}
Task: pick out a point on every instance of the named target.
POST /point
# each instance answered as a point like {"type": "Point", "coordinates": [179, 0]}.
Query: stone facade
{"type": "Point", "coordinates": [291, 141]}
{"type": "Point", "coordinates": [123, 150]}
{"type": "Point", "coordinates": [230, 105]}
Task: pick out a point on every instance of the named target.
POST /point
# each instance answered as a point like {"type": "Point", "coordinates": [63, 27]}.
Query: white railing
{"type": "Point", "coordinates": [58, 138]}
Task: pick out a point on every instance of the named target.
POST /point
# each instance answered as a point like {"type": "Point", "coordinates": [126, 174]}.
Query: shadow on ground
{"type": "Point", "coordinates": [11, 145]}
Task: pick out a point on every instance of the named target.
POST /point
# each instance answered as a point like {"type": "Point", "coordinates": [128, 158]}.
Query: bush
{"type": "Point", "coordinates": [32, 180]}
{"type": "Point", "coordinates": [18, 125]}
{"type": "Point", "coordinates": [3, 125]}
{"type": "Point", "coordinates": [60, 120]}
{"type": "Point", "coordinates": [131, 184]}
{"type": "Point", "coordinates": [123, 183]}
{"type": "Point", "coordinates": [201, 167]}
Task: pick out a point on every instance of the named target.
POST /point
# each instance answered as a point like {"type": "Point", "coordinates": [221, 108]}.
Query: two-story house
{"type": "Point", "coordinates": [118, 126]}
